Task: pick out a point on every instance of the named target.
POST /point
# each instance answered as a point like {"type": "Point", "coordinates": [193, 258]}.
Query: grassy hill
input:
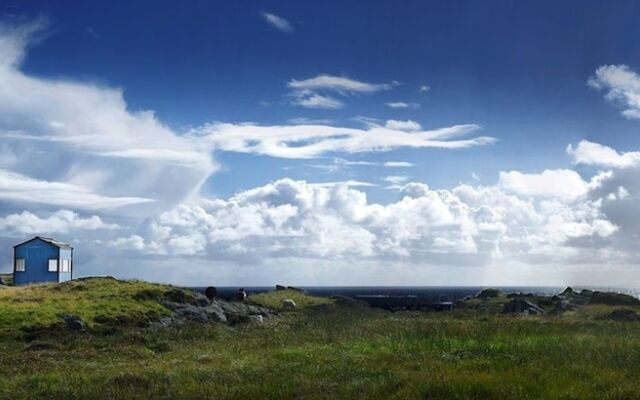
{"type": "Point", "coordinates": [324, 350]}
{"type": "Point", "coordinates": [93, 299]}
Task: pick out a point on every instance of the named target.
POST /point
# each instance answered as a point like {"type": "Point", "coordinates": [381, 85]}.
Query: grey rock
{"type": "Point", "coordinates": [215, 312]}
{"type": "Point", "coordinates": [288, 303]}
{"type": "Point", "coordinates": [613, 299]}
{"type": "Point", "coordinates": [73, 322]}
{"type": "Point", "coordinates": [486, 294]}
{"type": "Point", "coordinates": [202, 300]}
{"type": "Point", "coordinates": [165, 322]}
{"type": "Point", "coordinates": [256, 318]}
{"type": "Point", "coordinates": [280, 287]}
{"type": "Point", "coordinates": [623, 315]}
{"type": "Point", "coordinates": [522, 306]}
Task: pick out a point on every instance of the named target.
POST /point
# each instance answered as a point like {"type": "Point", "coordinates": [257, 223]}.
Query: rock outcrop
{"type": "Point", "coordinates": [486, 294]}
{"type": "Point", "coordinates": [623, 315]}
{"type": "Point", "coordinates": [198, 308]}
{"type": "Point", "coordinates": [522, 306]}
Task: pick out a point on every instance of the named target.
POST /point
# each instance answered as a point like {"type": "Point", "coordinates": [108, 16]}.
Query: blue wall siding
{"type": "Point", "coordinates": [36, 254]}
{"type": "Point", "coordinates": [65, 254]}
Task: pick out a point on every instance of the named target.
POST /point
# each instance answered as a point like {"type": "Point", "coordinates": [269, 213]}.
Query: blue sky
{"type": "Point", "coordinates": [523, 78]}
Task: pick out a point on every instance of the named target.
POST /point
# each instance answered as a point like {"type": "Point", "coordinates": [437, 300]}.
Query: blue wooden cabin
{"type": "Point", "coordinates": [42, 259]}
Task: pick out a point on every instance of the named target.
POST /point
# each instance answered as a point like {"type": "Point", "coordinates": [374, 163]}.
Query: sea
{"type": "Point", "coordinates": [424, 294]}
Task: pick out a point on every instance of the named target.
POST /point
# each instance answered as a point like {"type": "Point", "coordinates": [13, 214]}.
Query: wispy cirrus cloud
{"type": "Point", "coordinates": [308, 99]}
{"type": "Point", "coordinates": [317, 92]}
{"type": "Point", "coordinates": [311, 141]}
{"type": "Point", "coordinates": [278, 22]}
{"type": "Point", "coordinates": [402, 104]}
{"type": "Point", "coordinates": [338, 84]}
{"type": "Point", "coordinates": [398, 164]}
{"type": "Point", "coordinates": [70, 134]}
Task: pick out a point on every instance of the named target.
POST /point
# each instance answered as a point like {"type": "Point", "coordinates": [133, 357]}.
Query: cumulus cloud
{"type": "Point", "coordinates": [402, 104]}
{"type": "Point", "coordinates": [590, 153]}
{"type": "Point", "coordinates": [309, 141]}
{"type": "Point", "coordinates": [289, 218]}
{"type": "Point", "coordinates": [560, 183]}
{"type": "Point", "coordinates": [277, 22]}
{"type": "Point", "coordinates": [424, 88]}
{"type": "Point", "coordinates": [622, 86]}
{"type": "Point", "coordinates": [61, 221]}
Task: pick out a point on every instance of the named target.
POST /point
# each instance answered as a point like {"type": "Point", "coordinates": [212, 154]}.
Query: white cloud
{"type": "Point", "coordinates": [396, 179]}
{"type": "Point", "coordinates": [79, 145]}
{"type": "Point", "coordinates": [402, 104]}
{"type": "Point", "coordinates": [398, 164]}
{"type": "Point", "coordinates": [407, 125]}
{"type": "Point", "coordinates": [315, 92]}
{"type": "Point", "coordinates": [61, 221]}
{"type": "Point", "coordinates": [18, 188]}
{"type": "Point", "coordinates": [309, 141]}
{"type": "Point", "coordinates": [277, 22]}
{"type": "Point", "coordinates": [313, 100]}
{"type": "Point", "coordinates": [310, 121]}
{"type": "Point", "coordinates": [622, 86]}
{"type": "Point", "coordinates": [337, 84]}
{"type": "Point", "coordinates": [424, 88]}
{"type": "Point", "coordinates": [590, 153]}
{"type": "Point", "coordinates": [290, 218]}
{"type": "Point", "coordinates": [561, 183]}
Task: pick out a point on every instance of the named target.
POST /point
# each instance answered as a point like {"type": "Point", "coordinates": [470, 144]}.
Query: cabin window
{"type": "Point", "coordinates": [53, 265]}
{"type": "Point", "coordinates": [20, 264]}
{"type": "Point", "coordinates": [64, 267]}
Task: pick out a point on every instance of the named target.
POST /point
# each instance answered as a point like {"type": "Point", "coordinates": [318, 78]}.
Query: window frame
{"type": "Point", "coordinates": [65, 265]}
{"type": "Point", "coordinates": [22, 268]}
{"type": "Point", "coordinates": [56, 267]}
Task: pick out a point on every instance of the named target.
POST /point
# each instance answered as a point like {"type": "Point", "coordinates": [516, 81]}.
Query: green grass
{"type": "Point", "coordinates": [274, 299]}
{"type": "Point", "coordinates": [91, 299]}
{"type": "Point", "coordinates": [331, 353]}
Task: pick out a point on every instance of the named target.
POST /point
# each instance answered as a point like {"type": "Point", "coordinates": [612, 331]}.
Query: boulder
{"type": "Point", "coordinates": [522, 306]}
{"type": "Point", "coordinates": [280, 287]}
{"type": "Point", "coordinates": [489, 293]}
{"type": "Point", "coordinates": [288, 303]}
{"type": "Point", "coordinates": [256, 318]}
{"type": "Point", "coordinates": [623, 315]}
{"type": "Point", "coordinates": [73, 322]}
{"type": "Point", "coordinates": [568, 291]}
{"type": "Point", "coordinates": [561, 306]}
{"type": "Point", "coordinates": [202, 300]}
{"type": "Point", "coordinates": [613, 299]}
